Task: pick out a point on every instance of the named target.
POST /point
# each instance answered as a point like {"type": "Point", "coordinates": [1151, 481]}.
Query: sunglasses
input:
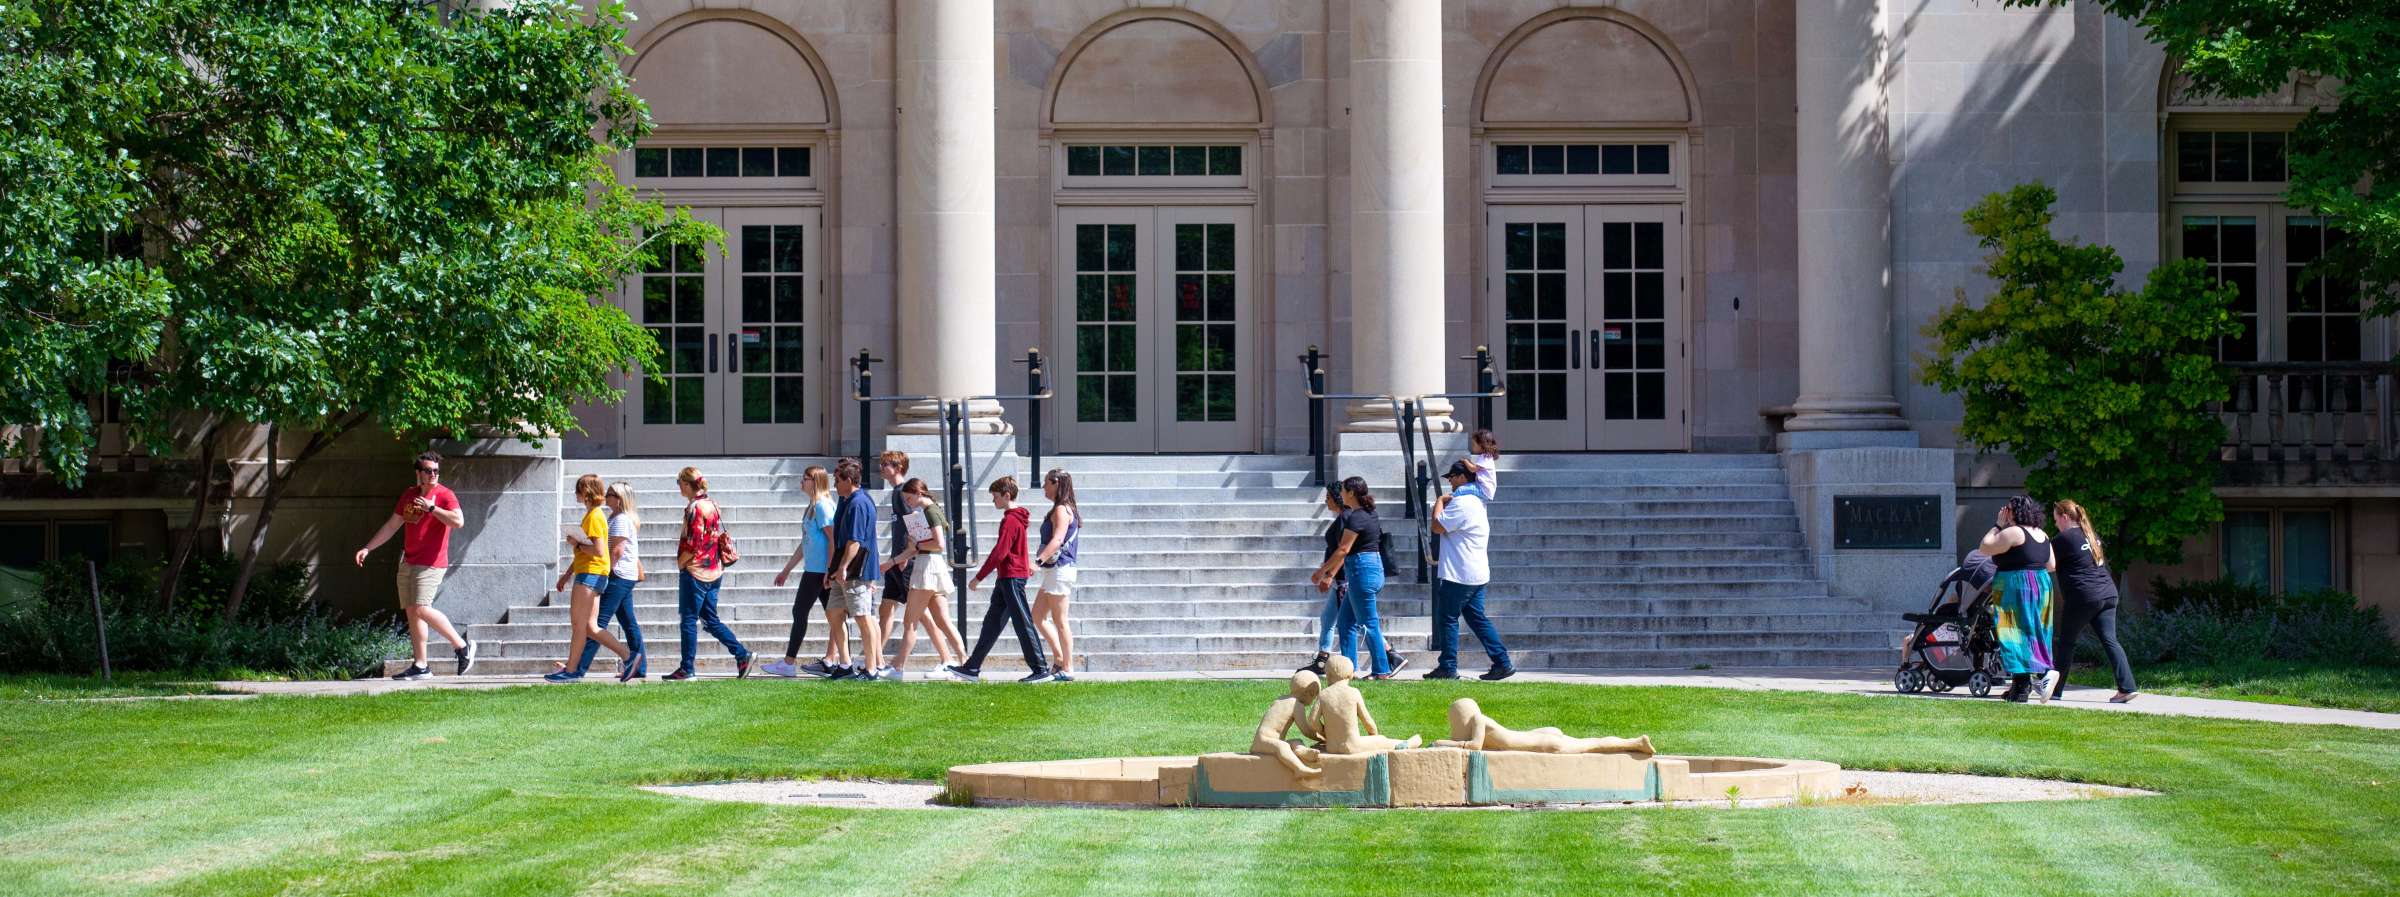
{"type": "Point", "coordinates": [436, 471]}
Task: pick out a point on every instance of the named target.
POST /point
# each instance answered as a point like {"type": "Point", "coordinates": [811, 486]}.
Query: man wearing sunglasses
{"type": "Point", "coordinates": [425, 515]}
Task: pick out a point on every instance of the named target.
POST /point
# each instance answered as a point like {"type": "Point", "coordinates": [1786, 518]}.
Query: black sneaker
{"type": "Point", "coordinates": [816, 669]}
{"type": "Point", "coordinates": [1496, 674]}
{"type": "Point", "coordinates": [1316, 666]}
{"type": "Point", "coordinates": [1394, 662]}
{"type": "Point", "coordinates": [1441, 673]}
{"type": "Point", "coordinates": [839, 673]}
{"type": "Point", "coordinates": [677, 676]}
{"type": "Point", "coordinates": [960, 675]}
{"type": "Point", "coordinates": [1036, 677]}
{"type": "Point", "coordinates": [414, 673]}
{"type": "Point", "coordinates": [741, 668]}
{"type": "Point", "coordinates": [466, 656]}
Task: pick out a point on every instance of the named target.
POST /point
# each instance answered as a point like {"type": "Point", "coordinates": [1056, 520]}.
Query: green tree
{"type": "Point", "coordinates": [349, 213]}
{"type": "Point", "coordinates": [2345, 161]}
{"type": "Point", "coordinates": [2101, 393]}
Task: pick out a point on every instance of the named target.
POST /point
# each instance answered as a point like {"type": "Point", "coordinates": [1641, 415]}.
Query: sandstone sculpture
{"type": "Point", "coordinates": [1287, 711]}
{"type": "Point", "coordinates": [1342, 715]}
{"type": "Point", "coordinates": [1472, 730]}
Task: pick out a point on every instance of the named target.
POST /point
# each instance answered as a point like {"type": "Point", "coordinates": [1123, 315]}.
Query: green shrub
{"type": "Point", "coordinates": [2225, 622]}
{"type": "Point", "coordinates": [279, 632]}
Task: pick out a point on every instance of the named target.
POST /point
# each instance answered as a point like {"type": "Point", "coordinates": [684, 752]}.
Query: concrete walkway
{"type": "Point", "coordinates": [1875, 682]}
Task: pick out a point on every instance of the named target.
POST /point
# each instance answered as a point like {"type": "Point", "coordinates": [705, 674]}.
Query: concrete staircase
{"type": "Point", "coordinates": [1201, 562]}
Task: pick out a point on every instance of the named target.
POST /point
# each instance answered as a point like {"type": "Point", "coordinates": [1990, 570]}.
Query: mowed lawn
{"type": "Point", "coordinates": [530, 791]}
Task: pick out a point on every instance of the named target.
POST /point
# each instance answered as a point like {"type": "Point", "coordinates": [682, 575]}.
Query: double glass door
{"type": "Point", "coordinates": [1153, 312]}
{"type": "Point", "coordinates": [1587, 306]}
{"type": "Point", "coordinates": [742, 364]}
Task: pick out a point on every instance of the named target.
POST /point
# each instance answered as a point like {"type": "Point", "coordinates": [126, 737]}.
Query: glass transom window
{"type": "Point", "coordinates": [1583, 159]}
{"type": "Point", "coordinates": [2230, 157]}
{"type": "Point", "coordinates": [1182, 160]}
{"type": "Point", "coordinates": [721, 162]}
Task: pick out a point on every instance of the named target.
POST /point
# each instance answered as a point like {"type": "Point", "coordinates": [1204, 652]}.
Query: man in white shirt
{"type": "Point", "coordinates": [1466, 568]}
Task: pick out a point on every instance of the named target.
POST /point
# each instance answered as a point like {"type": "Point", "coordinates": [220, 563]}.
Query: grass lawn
{"type": "Point", "coordinates": [526, 791]}
{"type": "Point", "coordinates": [2347, 687]}
{"type": "Point", "coordinates": [53, 688]}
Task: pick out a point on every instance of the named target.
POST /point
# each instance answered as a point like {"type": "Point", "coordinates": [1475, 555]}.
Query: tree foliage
{"type": "Point", "coordinates": [2345, 161]}
{"type": "Point", "coordinates": [313, 214]}
{"type": "Point", "coordinates": [2101, 393]}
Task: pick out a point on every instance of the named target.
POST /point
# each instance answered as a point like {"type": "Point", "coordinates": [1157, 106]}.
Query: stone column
{"type": "Point", "coordinates": [946, 219]}
{"type": "Point", "coordinates": [1396, 225]}
{"type": "Point", "coordinates": [1845, 215]}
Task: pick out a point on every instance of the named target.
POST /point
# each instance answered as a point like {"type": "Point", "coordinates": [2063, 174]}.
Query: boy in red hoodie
{"type": "Point", "coordinates": [1008, 558]}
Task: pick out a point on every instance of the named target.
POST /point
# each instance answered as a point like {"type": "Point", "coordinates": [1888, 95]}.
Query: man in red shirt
{"type": "Point", "coordinates": [425, 515]}
{"type": "Point", "coordinates": [1008, 558]}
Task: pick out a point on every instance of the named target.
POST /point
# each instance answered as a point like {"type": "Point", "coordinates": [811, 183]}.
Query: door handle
{"type": "Point", "coordinates": [712, 356]}
{"type": "Point", "coordinates": [1574, 350]}
{"type": "Point", "coordinates": [733, 352]}
{"type": "Point", "coordinates": [1595, 348]}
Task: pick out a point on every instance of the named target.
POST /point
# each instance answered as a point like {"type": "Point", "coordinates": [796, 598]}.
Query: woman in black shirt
{"type": "Point", "coordinates": [2086, 597]}
{"type": "Point", "coordinates": [1330, 616]}
{"type": "Point", "coordinates": [1360, 559]}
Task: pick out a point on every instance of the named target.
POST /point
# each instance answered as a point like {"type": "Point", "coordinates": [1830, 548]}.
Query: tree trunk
{"type": "Point", "coordinates": [317, 443]}
{"type": "Point", "coordinates": [172, 577]}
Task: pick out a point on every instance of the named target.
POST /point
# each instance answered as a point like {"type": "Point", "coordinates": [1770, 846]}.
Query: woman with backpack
{"type": "Point", "coordinates": [1359, 556]}
{"type": "Point", "coordinates": [700, 561]}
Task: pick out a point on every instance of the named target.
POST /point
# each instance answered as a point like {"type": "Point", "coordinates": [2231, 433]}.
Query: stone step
{"type": "Point", "coordinates": [1094, 573]}
{"type": "Point", "coordinates": [659, 487]}
{"type": "Point", "coordinates": [1096, 498]}
{"type": "Point", "coordinates": [1688, 613]}
{"type": "Point", "coordinates": [1107, 513]}
{"type": "Point", "coordinates": [770, 544]}
{"type": "Point", "coordinates": [647, 592]}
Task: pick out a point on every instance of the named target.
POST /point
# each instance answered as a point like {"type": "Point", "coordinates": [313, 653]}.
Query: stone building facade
{"type": "Point", "coordinates": [1711, 226]}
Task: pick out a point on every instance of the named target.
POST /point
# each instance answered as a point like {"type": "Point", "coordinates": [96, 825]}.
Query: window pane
{"type": "Point", "coordinates": [758, 162]}
{"type": "Point", "coordinates": [1619, 401]}
{"type": "Point", "coordinates": [1083, 161]}
{"type": "Point", "coordinates": [1583, 158]}
{"type": "Point", "coordinates": [2266, 156]}
{"type": "Point", "coordinates": [2233, 156]}
{"type": "Point", "coordinates": [1220, 247]}
{"type": "Point", "coordinates": [1518, 288]}
{"type": "Point", "coordinates": [1220, 297]}
{"type": "Point", "coordinates": [758, 400]}
{"type": "Point", "coordinates": [2307, 550]}
{"type": "Point", "coordinates": [658, 402]}
{"type": "Point", "coordinates": [1653, 159]}
{"type": "Point", "coordinates": [756, 254]}
{"type": "Point", "coordinates": [789, 307]}
{"type": "Point", "coordinates": [1191, 253]}
{"type": "Point", "coordinates": [1649, 245]}
{"type": "Point", "coordinates": [1549, 158]}
{"type": "Point", "coordinates": [1225, 161]}
{"type": "Point", "coordinates": [1191, 401]}
{"type": "Point", "coordinates": [791, 400]}
{"type": "Point", "coordinates": [1188, 303]}
{"type": "Point", "coordinates": [1157, 161]}
{"type": "Point", "coordinates": [1518, 245]}
{"type": "Point", "coordinates": [757, 302]}
{"type": "Point", "coordinates": [724, 162]}
{"type": "Point", "coordinates": [689, 407]}
{"type": "Point", "coordinates": [1116, 160]}
{"type": "Point", "coordinates": [649, 163]}
{"type": "Point", "coordinates": [1091, 247]}
{"type": "Point", "coordinates": [2191, 156]}
{"type": "Point", "coordinates": [1220, 398]}
{"type": "Point", "coordinates": [791, 162]}
{"type": "Point", "coordinates": [84, 539]}
{"type": "Point", "coordinates": [1122, 403]}
{"type": "Point", "coordinates": [689, 162]}
{"type": "Point", "coordinates": [1513, 159]}
{"type": "Point", "coordinates": [1616, 158]}
{"type": "Point", "coordinates": [1191, 161]}
{"type": "Point", "coordinates": [2245, 549]}
{"type": "Point", "coordinates": [788, 243]}
{"type": "Point", "coordinates": [1550, 241]}
{"type": "Point", "coordinates": [1120, 247]}
{"type": "Point", "coordinates": [1091, 398]}
{"type": "Point", "coordinates": [2238, 241]}
{"type": "Point", "coordinates": [2200, 238]}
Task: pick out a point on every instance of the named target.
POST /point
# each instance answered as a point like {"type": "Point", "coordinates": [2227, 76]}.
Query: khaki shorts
{"type": "Point", "coordinates": [418, 584]}
{"type": "Point", "coordinates": [1059, 580]}
{"type": "Point", "coordinates": [855, 597]}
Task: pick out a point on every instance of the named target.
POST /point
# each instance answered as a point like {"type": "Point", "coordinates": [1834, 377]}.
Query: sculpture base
{"type": "Point", "coordinates": [1421, 777]}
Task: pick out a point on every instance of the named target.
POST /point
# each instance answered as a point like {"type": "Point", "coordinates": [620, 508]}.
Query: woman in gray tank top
{"type": "Point", "coordinates": [1062, 532]}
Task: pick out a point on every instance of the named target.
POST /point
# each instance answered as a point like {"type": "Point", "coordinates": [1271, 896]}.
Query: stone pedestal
{"type": "Point", "coordinates": [990, 456]}
{"type": "Point", "coordinates": [508, 551]}
{"type": "Point", "coordinates": [1822, 468]}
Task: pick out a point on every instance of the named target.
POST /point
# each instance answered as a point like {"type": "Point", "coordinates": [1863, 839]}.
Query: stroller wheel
{"type": "Point", "coordinates": [1908, 680]}
{"type": "Point", "coordinates": [1936, 684]}
{"type": "Point", "coordinates": [1979, 685]}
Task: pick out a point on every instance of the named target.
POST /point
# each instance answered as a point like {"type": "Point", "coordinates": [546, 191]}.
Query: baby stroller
{"type": "Point", "coordinates": [1953, 643]}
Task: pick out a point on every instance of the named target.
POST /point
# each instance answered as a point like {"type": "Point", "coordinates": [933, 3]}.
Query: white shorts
{"type": "Point", "coordinates": [929, 573]}
{"type": "Point", "coordinates": [1059, 580]}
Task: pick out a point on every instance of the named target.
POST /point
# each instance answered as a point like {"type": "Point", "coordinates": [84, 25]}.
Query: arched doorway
{"type": "Point", "coordinates": [1583, 135]}
{"type": "Point", "coordinates": [744, 131]}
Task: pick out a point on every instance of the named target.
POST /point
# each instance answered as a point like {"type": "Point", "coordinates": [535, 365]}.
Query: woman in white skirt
{"type": "Point", "coordinates": [1062, 530]}
{"type": "Point", "coordinates": [928, 566]}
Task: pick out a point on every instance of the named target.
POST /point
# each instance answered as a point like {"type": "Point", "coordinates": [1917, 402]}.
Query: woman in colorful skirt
{"type": "Point", "coordinates": [2022, 614]}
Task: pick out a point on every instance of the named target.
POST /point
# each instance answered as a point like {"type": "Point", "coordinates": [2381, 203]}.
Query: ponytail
{"type": "Point", "coordinates": [1356, 487]}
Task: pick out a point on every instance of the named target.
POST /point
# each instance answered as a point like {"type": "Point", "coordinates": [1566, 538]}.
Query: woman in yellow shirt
{"type": "Point", "coordinates": [589, 571]}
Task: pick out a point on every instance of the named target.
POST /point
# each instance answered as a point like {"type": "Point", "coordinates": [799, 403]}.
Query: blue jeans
{"type": "Point", "coordinates": [616, 601]}
{"type": "Point", "coordinates": [696, 604]}
{"type": "Point", "coordinates": [1450, 600]}
{"type": "Point", "coordinates": [1332, 614]}
{"type": "Point", "coordinates": [1365, 575]}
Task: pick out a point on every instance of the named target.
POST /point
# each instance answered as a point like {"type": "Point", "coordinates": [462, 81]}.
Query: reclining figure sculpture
{"type": "Point", "coordinates": [1472, 730]}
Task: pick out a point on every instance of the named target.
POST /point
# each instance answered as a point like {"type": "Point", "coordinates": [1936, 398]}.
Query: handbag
{"type": "Point", "coordinates": [727, 555]}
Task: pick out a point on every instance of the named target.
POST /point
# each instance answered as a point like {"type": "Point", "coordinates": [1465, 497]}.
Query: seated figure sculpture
{"type": "Point", "coordinates": [1342, 714]}
{"type": "Point", "coordinates": [1287, 711]}
{"type": "Point", "coordinates": [1472, 730]}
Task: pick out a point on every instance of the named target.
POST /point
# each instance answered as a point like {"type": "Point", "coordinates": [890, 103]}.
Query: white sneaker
{"type": "Point", "coordinates": [2049, 683]}
{"type": "Point", "coordinates": [893, 674]}
{"type": "Point", "coordinates": [783, 668]}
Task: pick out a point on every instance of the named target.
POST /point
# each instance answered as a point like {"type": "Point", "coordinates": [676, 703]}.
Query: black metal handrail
{"type": "Point", "coordinates": [1417, 484]}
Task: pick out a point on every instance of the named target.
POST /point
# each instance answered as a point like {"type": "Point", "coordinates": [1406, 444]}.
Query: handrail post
{"type": "Point", "coordinates": [866, 407]}
{"type": "Point", "coordinates": [1034, 375]}
{"type": "Point", "coordinates": [1487, 382]}
{"type": "Point", "coordinates": [954, 457]}
{"type": "Point", "coordinates": [1312, 366]}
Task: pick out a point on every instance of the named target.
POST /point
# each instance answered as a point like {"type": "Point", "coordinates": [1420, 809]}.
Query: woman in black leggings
{"type": "Point", "coordinates": [2086, 597]}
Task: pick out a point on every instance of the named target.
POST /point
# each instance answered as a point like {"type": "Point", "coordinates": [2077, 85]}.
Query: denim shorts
{"type": "Point", "coordinates": [597, 582]}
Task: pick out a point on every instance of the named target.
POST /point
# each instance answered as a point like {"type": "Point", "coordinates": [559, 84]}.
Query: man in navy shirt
{"type": "Point", "coordinates": [850, 579]}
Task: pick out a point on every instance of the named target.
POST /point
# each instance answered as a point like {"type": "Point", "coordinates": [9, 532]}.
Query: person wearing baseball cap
{"type": "Point", "coordinates": [424, 517]}
{"type": "Point", "coordinates": [1465, 570]}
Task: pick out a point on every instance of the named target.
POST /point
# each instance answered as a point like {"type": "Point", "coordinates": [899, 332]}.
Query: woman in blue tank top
{"type": "Point", "coordinates": [1062, 530]}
